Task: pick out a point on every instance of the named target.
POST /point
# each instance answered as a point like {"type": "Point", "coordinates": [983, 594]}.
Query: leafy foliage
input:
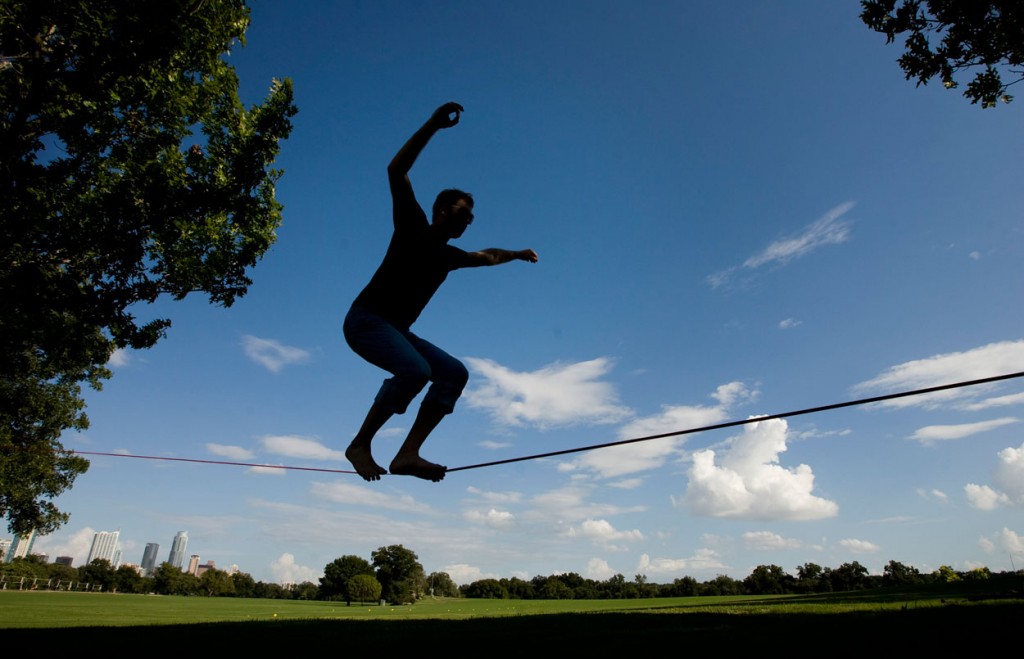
{"type": "Point", "coordinates": [129, 169]}
{"type": "Point", "coordinates": [975, 34]}
{"type": "Point", "coordinates": [399, 572]}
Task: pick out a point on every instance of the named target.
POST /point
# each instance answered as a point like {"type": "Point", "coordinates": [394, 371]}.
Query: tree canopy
{"type": "Point", "coordinates": [970, 36]}
{"type": "Point", "coordinates": [129, 170]}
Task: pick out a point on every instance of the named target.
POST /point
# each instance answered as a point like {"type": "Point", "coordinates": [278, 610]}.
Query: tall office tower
{"type": "Point", "coordinates": [193, 564]}
{"type": "Point", "coordinates": [149, 558]}
{"type": "Point", "coordinates": [21, 546]}
{"type": "Point", "coordinates": [104, 545]}
{"type": "Point", "coordinates": [177, 557]}
{"type": "Point", "coordinates": [65, 560]}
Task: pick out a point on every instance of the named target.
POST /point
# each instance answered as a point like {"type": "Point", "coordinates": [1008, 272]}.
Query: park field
{"type": "Point", "coordinates": [940, 620]}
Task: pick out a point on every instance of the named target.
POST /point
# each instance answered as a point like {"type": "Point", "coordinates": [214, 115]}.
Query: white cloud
{"type": "Point", "coordinates": [766, 541]}
{"type": "Point", "coordinates": [497, 519]}
{"type": "Point", "coordinates": [859, 546]}
{"type": "Point", "coordinates": [232, 452]}
{"type": "Point", "coordinates": [936, 494]}
{"type": "Point", "coordinates": [830, 229]}
{"type": "Point", "coordinates": [272, 354]}
{"type": "Point", "coordinates": [351, 494]}
{"type": "Point", "coordinates": [986, 361]}
{"type": "Point", "coordinates": [495, 497]}
{"type": "Point", "coordinates": [984, 497]}
{"type": "Point", "coordinates": [997, 401]}
{"type": "Point", "coordinates": [930, 434]}
{"type": "Point", "coordinates": [789, 323]}
{"type": "Point", "coordinates": [493, 445]}
{"type": "Point", "coordinates": [641, 456]}
{"type": "Point", "coordinates": [120, 357]}
{"type": "Point", "coordinates": [1009, 474]}
{"type": "Point", "coordinates": [599, 570]}
{"type": "Point", "coordinates": [602, 532]}
{"type": "Point", "coordinates": [748, 482]}
{"type": "Point", "coordinates": [703, 559]}
{"type": "Point", "coordinates": [556, 395]}
{"type": "Point", "coordinates": [1005, 541]}
{"type": "Point", "coordinates": [77, 545]}
{"type": "Point", "coordinates": [463, 574]}
{"type": "Point", "coordinates": [1008, 478]}
{"type": "Point", "coordinates": [299, 447]}
{"type": "Point", "coordinates": [287, 571]}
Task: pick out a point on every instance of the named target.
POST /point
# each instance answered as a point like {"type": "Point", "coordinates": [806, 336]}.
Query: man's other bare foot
{"type": "Point", "coordinates": [418, 467]}
{"type": "Point", "coordinates": [363, 461]}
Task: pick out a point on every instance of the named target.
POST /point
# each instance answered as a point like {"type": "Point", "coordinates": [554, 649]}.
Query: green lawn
{"type": "Point", "coordinates": [848, 623]}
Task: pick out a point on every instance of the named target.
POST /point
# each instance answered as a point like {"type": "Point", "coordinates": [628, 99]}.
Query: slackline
{"type": "Point", "coordinates": [623, 442]}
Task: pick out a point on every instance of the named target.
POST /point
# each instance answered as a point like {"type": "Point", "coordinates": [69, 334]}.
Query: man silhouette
{"type": "Point", "coordinates": [377, 326]}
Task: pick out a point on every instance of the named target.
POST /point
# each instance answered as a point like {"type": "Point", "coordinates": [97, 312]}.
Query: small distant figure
{"type": "Point", "coordinates": [377, 326]}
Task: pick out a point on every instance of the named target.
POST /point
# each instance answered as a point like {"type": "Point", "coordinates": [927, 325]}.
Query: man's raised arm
{"type": "Point", "coordinates": [445, 116]}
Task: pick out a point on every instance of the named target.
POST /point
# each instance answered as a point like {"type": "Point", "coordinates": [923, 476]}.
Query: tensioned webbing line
{"type": "Point", "coordinates": [733, 424]}
{"type": "Point", "coordinates": [622, 442]}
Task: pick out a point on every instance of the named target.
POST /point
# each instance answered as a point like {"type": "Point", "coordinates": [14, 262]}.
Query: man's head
{"type": "Point", "coordinates": [453, 211]}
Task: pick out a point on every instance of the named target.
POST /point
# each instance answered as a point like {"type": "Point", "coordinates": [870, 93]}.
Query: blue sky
{"type": "Point", "coordinates": [741, 208]}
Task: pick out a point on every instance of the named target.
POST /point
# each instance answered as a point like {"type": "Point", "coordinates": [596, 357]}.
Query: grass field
{"type": "Point", "coordinates": [941, 621]}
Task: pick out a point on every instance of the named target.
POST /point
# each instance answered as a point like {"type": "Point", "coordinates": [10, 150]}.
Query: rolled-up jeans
{"type": "Point", "coordinates": [412, 362]}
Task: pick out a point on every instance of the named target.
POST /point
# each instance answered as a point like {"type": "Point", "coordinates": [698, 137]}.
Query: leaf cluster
{"type": "Point", "coordinates": [947, 37]}
{"type": "Point", "coordinates": [129, 169]}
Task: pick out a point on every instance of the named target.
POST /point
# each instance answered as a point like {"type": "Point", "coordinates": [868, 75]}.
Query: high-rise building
{"type": "Point", "coordinates": [65, 560]}
{"type": "Point", "coordinates": [193, 564]}
{"type": "Point", "coordinates": [149, 558]}
{"type": "Point", "coordinates": [21, 546]}
{"type": "Point", "coordinates": [104, 545]}
{"type": "Point", "coordinates": [177, 557]}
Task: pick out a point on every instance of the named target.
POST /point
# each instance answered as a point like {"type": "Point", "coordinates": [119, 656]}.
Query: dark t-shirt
{"type": "Point", "coordinates": [417, 262]}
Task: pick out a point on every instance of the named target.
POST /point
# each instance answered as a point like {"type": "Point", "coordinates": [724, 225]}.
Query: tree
{"type": "Point", "coordinates": [849, 576]}
{"type": "Point", "coordinates": [363, 588]}
{"type": "Point", "coordinates": [129, 170]}
{"type": "Point", "coordinates": [244, 584]}
{"type": "Point", "coordinates": [897, 574]}
{"type": "Point", "coordinates": [307, 590]}
{"type": "Point", "coordinates": [128, 580]}
{"type": "Point", "coordinates": [399, 572]}
{"type": "Point", "coordinates": [974, 34]}
{"type": "Point", "coordinates": [216, 583]}
{"type": "Point", "coordinates": [169, 580]}
{"type": "Point", "coordinates": [440, 584]}
{"type": "Point", "coordinates": [99, 574]}
{"type": "Point", "coordinates": [337, 575]}
{"type": "Point", "coordinates": [486, 589]}
{"type": "Point", "coordinates": [768, 580]}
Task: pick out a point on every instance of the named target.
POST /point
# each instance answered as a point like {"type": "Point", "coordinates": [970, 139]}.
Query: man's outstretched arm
{"type": "Point", "coordinates": [398, 169]}
{"type": "Point", "coordinates": [496, 256]}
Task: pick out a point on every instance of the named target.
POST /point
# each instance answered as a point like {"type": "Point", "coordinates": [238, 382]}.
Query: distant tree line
{"type": "Point", "coordinates": [394, 575]}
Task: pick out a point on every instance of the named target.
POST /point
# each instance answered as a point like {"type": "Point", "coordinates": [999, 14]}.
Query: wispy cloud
{"type": "Point", "coordinates": [986, 361]}
{"type": "Point", "coordinates": [859, 546]}
{"type": "Point", "coordinates": [703, 559]}
{"type": "Point", "coordinates": [292, 446]}
{"type": "Point", "coordinates": [232, 452]}
{"type": "Point", "coordinates": [351, 494]}
{"type": "Point", "coordinates": [931, 434]}
{"type": "Point", "coordinates": [556, 395]}
{"type": "Point", "coordinates": [271, 354]}
{"type": "Point", "coordinates": [120, 357]}
{"type": "Point", "coordinates": [768, 541]}
{"type": "Point", "coordinates": [830, 229]}
{"type": "Point", "coordinates": [1006, 541]}
{"type": "Point", "coordinates": [747, 481]}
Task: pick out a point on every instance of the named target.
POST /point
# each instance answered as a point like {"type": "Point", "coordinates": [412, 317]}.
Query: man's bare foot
{"type": "Point", "coordinates": [418, 467]}
{"type": "Point", "coordinates": [363, 461]}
